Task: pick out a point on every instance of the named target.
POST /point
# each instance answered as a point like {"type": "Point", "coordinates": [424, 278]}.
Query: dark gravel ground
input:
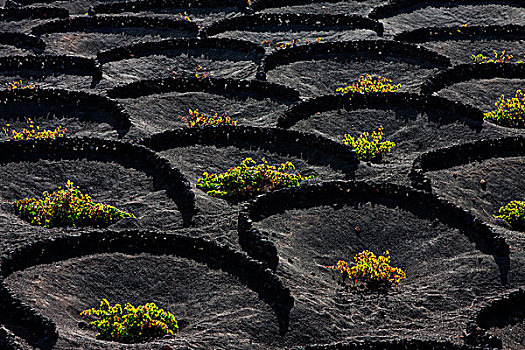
{"type": "Point", "coordinates": [448, 279]}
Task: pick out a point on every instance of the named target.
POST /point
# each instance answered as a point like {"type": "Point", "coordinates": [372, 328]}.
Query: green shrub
{"type": "Point", "coordinates": [367, 83]}
{"type": "Point", "coordinates": [33, 132]}
{"type": "Point", "coordinates": [67, 207]}
{"type": "Point", "coordinates": [202, 73]}
{"type": "Point", "coordinates": [249, 179]}
{"type": "Point", "coordinates": [197, 119]}
{"type": "Point", "coordinates": [509, 112]}
{"type": "Point", "coordinates": [131, 324]}
{"type": "Point", "coordinates": [279, 45]}
{"type": "Point", "coordinates": [373, 271]}
{"type": "Point", "coordinates": [498, 58]}
{"type": "Point", "coordinates": [185, 17]}
{"type": "Point", "coordinates": [514, 213]}
{"type": "Point", "coordinates": [370, 147]}
{"type": "Point", "coordinates": [19, 85]}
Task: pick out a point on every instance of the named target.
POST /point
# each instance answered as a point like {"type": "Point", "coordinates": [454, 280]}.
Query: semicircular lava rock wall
{"type": "Point", "coordinates": [253, 51]}
{"type": "Point", "coordinates": [30, 2]}
{"type": "Point", "coordinates": [303, 110]}
{"type": "Point", "coordinates": [38, 330]}
{"type": "Point", "coordinates": [127, 154]}
{"type": "Point", "coordinates": [463, 153]}
{"type": "Point", "coordinates": [505, 310]}
{"type": "Point", "coordinates": [504, 32]}
{"type": "Point", "coordinates": [403, 344]}
{"type": "Point", "coordinates": [314, 148]}
{"type": "Point", "coordinates": [142, 5]}
{"type": "Point", "coordinates": [56, 99]}
{"type": "Point", "coordinates": [61, 64]}
{"type": "Point", "coordinates": [264, 4]}
{"type": "Point", "coordinates": [381, 49]}
{"type": "Point", "coordinates": [218, 86]}
{"type": "Point", "coordinates": [290, 19]}
{"type": "Point", "coordinates": [24, 41]}
{"type": "Point", "coordinates": [8, 340]}
{"type": "Point", "coordinates": [83, 23]}
{"type": "Point", "coordinates": [465, 72]}
{"type": "Point", "coordinates": [250, 272]}
{"type": "Point", "coordinates": [34, 12]}
{"type": "Point", "coordinates": [329, 192]}
{"type": "Point", "coordinates": [397, 7]}
{"type": "Point", "coordinates": [278, 230]}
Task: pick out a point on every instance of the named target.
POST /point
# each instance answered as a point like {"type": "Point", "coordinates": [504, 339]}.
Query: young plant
{"type": "Point", "coordinates": [197, 119]}
{"type": "Point", "coordinates": [286, 44]}
{"type": "Point", "coordinates": [367, 83]}
{"type": "Point", "coordinates": [33, 132]}
{"type": "Point", "coordinates": [498, 58]}
{"type": "Point", "coordinates": [67, 207]}
{"type": "Point", "coordinates": [514, 213]}
{"type": "Point", "coordinates": [200, 72]}
{"type": "Point", "coordinates": [509, 112]}
{"type": "Point", "coordinates": [249, 179]}
{"type": "Point", "coordinates": [19, 85]}
{"type": "Point", "coordinates": [370, 147]}
{"type": "Point", "coordinates": [131, 324]}
{"type": "Point", "coordinates": [373, 271]}
{"type": "Point", "coordinates": [185, 17]}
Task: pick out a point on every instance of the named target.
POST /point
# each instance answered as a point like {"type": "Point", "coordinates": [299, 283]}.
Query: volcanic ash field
{"type": "Point", "coordinates": [252, 273]}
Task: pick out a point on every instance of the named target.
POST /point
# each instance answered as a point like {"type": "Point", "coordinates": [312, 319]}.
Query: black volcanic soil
{"type": "Point", "coordinates": [163, 110]}
{"type": "Point", "coordinates": [323, 76]}
{"type": "Point", "coordinates": [460, 51]}
{"type": "Point", "coordinates": [207, 301]}
{"type": "Point", "coordinates": [449, 280]}
{"type": "Point", "coordinates": [125, 188]}
{"type": "Point", "coordinates": [465, 184]}
{"type": "Point", "coordinates": [428, 251]}
{"type": "Point", "coordinates": [234, 65]}
{"type": "Point", "coordinates": [89, 43]}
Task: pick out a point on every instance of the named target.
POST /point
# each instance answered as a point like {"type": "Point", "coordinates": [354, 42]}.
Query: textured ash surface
{"type": "Point", "coordinates": [448, 279]}
{"type": "Point", "coordinates": [427, 251]}
{"type": "Point", "coordinates": [214, 308]}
